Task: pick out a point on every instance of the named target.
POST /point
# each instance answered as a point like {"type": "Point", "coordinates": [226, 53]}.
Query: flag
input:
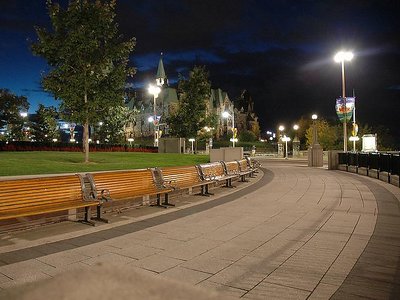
{"type": "Point", "coordinates": [345, 112]}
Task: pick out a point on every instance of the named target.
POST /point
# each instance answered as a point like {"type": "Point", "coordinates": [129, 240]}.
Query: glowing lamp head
{"type": "Point", "coordinates": [343, 55]}
{"type": "Point", "coordinates": [314, 117]}
{"type": "Point", "coordinates": [225, 114]}
{"type": "Point", "coordinates": [154, 90]}
{"type": "Point", "coordinates": [295, 127]}
{"type": "Point", "coordinates": [281, 128]}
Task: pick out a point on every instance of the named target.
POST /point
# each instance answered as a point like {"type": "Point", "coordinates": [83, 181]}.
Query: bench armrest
{"type": "Point", "coordinates": [105, 195]}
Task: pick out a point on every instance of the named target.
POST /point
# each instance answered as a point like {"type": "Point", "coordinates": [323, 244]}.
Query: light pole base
{"type": "Point", "coordinates": [315, 156]}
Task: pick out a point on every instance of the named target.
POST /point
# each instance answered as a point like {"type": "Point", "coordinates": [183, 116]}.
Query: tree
{"type": "Point", "coordinates": [11, 107]}
{"type": "Point", "coordinates": [327, 134]}
{"type": "Point", "coordinates": [112, 128]}
{"type": "Point", "coordinates": [190, 116]}
{"type": "Point", "coordinates": [88, 60]}
{"type": "Point", "coordinates": [247, 136]}
{"type": "Point", "coordinates": [44, 127]}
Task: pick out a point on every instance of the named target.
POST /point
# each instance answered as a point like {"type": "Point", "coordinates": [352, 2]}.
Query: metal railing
{"type": "Point", "coordinates": [381, 162]}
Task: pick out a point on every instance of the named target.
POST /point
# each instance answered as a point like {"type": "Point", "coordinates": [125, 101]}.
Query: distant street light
{"type": "Point", "coordinates": [286, 139]}
{"type": "Point", "coordinates": [130, 140]}
{"type": "Point", "coordinates": [296, 141]}
{"type": "Point", "coordinates": [226, 115]}
{"type": "Point", "coordinates": [192, 141]}
{"type": "Point", "coordinates": [341, 57]}
{"type": "Point", "coordinates": [314, 117]}
{"type": "Point", "coordinates": [155, 90]}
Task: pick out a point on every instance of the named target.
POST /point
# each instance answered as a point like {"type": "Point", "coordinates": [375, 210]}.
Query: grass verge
{"type": "Point", "coordinates": [47, 162]}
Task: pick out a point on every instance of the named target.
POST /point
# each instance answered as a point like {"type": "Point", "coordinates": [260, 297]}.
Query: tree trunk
{"type": "Point", "coordinates": [86, 135]}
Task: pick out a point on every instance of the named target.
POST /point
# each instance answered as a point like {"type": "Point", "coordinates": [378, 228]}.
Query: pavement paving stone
{"type": "Point", "coordinates": [157, 263]}
{"type": "Point", "coordinates": [295, 277]}
{"type": "Point", "coordinates": [323, 291]}
{"type": "Point", "coordinates": [223, 289]}
{"type": "Point", "coordinates": [192, 249]}
{"type": "Point", "coordinates": [186, 275]}
{"type": "Point", "coordinates": [227, 251]}
{"type": "Point", "coordinates": [137, 251]}
{"type": "Point", "coordinates": [267, 290]}
{"type": "Point", "coordinates": [29, 278]}
{"type": "Point", "coordinates": [109, 258]}
{"type": "Point", "coordinates": [207, 264]}
{"type": "Point", "coordinates": [238, 277]}
{"type": "Point", "coordinates": [63, 258]}
{"type": "Point", "coordinates": [30, 268]}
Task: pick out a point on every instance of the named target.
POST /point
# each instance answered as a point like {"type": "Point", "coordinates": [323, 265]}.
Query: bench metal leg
{"type": "Point", "coordinates": [158, 204]}
{"type": "Point", "coordinates": [229, 183]}
{"type": "Point", "coordinates": [204, 191]}
{"type": "Point", "coordinates": [166, 201]}
{"type": "Point", "coordinates": [98, 215]}
{"type": "Point", "coordinates": [87, 220]}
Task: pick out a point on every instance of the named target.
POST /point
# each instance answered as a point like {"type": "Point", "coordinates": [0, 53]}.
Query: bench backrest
{"type": "Point", "coordinates": [181, 177]}
{"type": "Point", "coordinates": [253, 164]}
{"type": "Point", "coordinates": [25, 197]}
{"type": "Point", "coordinates": [125, 184]}
{"type": "Point", "coordinates": [211, 170]}
{"type": "Point", "coordinates": [231, 167]}
{"type": "Point", "coordinates": [243, 165]}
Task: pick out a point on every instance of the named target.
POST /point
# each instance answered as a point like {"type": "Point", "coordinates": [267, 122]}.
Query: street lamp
{"type": "Point", "coordinates": [341, 57]}
{"type": "Point", "coordinates": [286, 139]}
{"type": "Point", "coordinates": [281, 149]}
{"type": "Point", "coordinates": [296, 141]}
{"type": "Point", "coordinates": [155, 90]}
{"type": "Point", "coordinates": [225, 114]}
{"type": "Point", "coordinates": [192, 141]}
{"type": "Point", "coordinates": [314, 117]}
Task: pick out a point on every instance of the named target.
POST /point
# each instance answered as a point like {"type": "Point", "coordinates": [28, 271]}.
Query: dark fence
{"type": "Point", "coordinates": [382, 162]}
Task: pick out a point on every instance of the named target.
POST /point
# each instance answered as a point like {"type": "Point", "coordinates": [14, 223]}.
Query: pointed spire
{"type": "Point", "coordinates": [161, 78]}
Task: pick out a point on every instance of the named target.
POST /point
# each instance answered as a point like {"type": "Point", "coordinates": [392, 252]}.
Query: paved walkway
{"type": "Point", "coordinates": [291, 233]}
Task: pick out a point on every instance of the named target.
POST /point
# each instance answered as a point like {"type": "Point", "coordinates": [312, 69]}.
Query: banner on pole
{"type": "Point", "coordinates": [344, 108]}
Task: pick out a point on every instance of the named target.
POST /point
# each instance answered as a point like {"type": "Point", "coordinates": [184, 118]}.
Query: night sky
{"type": "Point", "coordinates": [280, 51]}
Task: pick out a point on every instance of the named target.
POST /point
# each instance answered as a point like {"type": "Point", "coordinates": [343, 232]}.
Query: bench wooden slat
{"type": "Point", "coordinates": [35, 196]}
{"type": "Point", "coordinates": [123, 185]}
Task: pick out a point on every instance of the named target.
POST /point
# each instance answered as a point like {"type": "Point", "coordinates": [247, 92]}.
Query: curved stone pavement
{"type": "Point", "coordinates": [297, 233]}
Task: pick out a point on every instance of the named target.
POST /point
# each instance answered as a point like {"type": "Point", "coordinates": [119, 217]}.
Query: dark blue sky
{"type": "Point", "coordinates": [281, 51]}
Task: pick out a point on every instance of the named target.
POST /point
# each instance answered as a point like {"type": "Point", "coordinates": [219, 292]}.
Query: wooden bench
{"type": "Point", "coordinates": [253, 164]}
{"type": "Point", "coordinates": [215, 171]}
{"type": "Point", "coordinates": [128, 185]}
{"type": "Point", "coordinates": [244, 169]}
{"type": "Point", "coordinates": [186, 177]}
{"type": "Point", "coordinates": [36, 196]}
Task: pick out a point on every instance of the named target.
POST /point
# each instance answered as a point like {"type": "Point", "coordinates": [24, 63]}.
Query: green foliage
{"type": "Point", "coordinates": [88, 59]}
{"type": "Point", "coordinates": [112, 128]}
{"type": "Point", "coordinates": [327, 135]}
{"type": "Point", "coordinates": [190, 116]}
{"type": "Point", "coordinates": [247, 136]}
{"type": "Point", "coordinates": [11, 106]}
{"type": "Point", "coordinates": [44, 127]}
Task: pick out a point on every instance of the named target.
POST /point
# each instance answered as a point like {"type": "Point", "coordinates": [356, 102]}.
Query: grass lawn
{"type": "Point", "coordinates": [47, 162]}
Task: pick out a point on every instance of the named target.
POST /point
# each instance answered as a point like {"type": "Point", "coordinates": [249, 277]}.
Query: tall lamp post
{"type": "Point", "coordinates": [155, 90]}
{"type": "Point", "coordinates": [192, 141]}
{"type": "Point", "coordinates": [296, 141]}
{"type": "Point", "coordinates": [281, 128]}
{"type": "Point", "coordinates": [226, 115]}
{"type": "Point", "coordinates": [341, 57]}
{"type": "Point", "coordinates": [286, 139]}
